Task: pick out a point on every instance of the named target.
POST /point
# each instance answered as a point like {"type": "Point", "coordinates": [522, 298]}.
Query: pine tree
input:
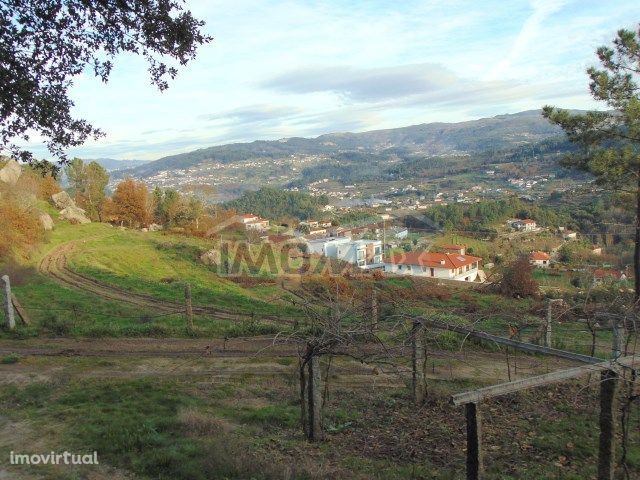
{"type": "Point", "coordinates": [609, 141]}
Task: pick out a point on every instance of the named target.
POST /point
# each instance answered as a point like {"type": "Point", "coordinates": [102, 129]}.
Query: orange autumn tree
{"type": "Point", "coordinates": [129, 203]}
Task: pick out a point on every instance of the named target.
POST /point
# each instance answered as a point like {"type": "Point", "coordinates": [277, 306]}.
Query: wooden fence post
{"type": "Point", "coordinates": [188, 307]}
{"type": "Point", "coordinates": [474, 441]}
{"type": "Point", "coordinates": [10, 319]}
{"type": "Point", "coordinates": [315, 399]}
{"type": "Point", "coordinates": [606, 448]}
{"type": "Point", "coordinates": [418, 361]}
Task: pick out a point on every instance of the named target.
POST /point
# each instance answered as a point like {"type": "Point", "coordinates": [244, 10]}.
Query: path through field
{"type": "Point", "coordinates": [54, 265]}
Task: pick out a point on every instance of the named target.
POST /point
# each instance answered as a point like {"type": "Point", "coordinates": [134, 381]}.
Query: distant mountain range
{"type": "Point", "coordinates": [501, 133]}
{"type": "Point", "coordinates": [111, 164]}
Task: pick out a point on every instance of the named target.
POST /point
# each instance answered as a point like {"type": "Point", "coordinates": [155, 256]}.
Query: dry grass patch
{"type": "Point", "coordinates": [200, 424]}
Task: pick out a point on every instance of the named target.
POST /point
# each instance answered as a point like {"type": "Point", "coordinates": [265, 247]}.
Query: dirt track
{"type": "Point", "coordinates": [54, 265]}
{"type": "Point", "coordinates": [151, 347]}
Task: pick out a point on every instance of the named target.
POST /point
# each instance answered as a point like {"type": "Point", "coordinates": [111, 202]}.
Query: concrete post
{"type": "Point", "coordinates": [547, 326]}
{"type": "Point", "coordinates": [315, 399]}
{"type": "Point", "coordinates": [10, 320]}
{"type": "Point", "coordinates": [474, 442]}
{"type": "Point", "coordinates": [418, 361]}
{"type": "Point", "coordinates": [606, 448]}
{"type": "Point", "coordinates": [188, 307]}
{"type": "Point", "coordinates": [617, 340]}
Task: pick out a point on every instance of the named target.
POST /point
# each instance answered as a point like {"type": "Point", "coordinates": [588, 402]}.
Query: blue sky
{"type": "Point", "coordinates": [303, 68]}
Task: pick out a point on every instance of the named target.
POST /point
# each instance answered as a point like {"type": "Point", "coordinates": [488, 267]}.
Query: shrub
{"type": "Point", "coordinates": [21, 229]}
{"type": "Point", "coordinates": [55, 325]}
{"type": "Point", "coordinates": [10, 359]}
{"type": "Point", "coordinates": [517, 280]}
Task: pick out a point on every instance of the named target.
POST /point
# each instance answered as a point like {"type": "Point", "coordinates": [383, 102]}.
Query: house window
{"type": "Point", "coordinates": [424, 269]}
{"type": "Point", "coordinates": [399, 267]}
{"type": "Point", "coordinates": [432, 272]}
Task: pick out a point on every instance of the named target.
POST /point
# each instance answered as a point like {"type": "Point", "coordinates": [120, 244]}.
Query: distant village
{"type": "Point", "coordinates": [376, 247]}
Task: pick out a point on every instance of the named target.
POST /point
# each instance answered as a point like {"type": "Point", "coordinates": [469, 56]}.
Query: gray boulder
{"type": "Point", "coordinates": [45, 220]}
{"type": "Point", "coordinates": [11, 172]}
{"type": "Point", "coordinates": [74, 215]}
{"type": "Point", "coordinates": [62, 200]}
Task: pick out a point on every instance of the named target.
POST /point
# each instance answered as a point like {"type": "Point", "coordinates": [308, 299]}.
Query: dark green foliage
{"type": "Point", "coordinates": [609, 141]}
{"type": "Point", "coordinates": [172, 209]}
{"type": "Point", "coordinates": [10, 359]}
{"type": "Point", "coordinates": [274, 203]}
{"type": "Point", "coordinates": [43, 45]}
{"type": "Point", "coordinates": [480, 217]}
{"type": "Point", "coordinates": [356, 218]}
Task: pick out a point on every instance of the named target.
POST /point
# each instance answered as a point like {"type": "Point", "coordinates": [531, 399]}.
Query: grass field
{"type": "Point", "coordinates": [146, 263]}
{"type": "Point", "coordinates": [194, 424]}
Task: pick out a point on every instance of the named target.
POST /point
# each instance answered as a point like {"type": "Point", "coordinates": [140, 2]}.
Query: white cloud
{"type": "Point", "coordinates": [282, 68]}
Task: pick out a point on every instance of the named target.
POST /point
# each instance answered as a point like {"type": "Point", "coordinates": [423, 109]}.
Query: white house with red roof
{"type": "Point", "coordinates": [540, 259]}
{"type": "Point", "coordinates": [253, 222]}
{"type": "Point", "coordinates": [525, 225]}
{"type": "Point", "coordinates": [448, 266]}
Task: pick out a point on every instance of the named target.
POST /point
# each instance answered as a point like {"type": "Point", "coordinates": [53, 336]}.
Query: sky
{"type": "Point", "coordinates": [279, 69]}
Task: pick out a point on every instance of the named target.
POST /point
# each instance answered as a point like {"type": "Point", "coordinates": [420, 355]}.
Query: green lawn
{"type": "Point", "coordinates": [147, 263]}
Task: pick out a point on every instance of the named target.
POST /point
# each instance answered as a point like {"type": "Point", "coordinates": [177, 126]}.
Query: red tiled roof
{"type": "Point", "coordinates": [540, 256]}
{"type": "Point", "coordinates": [433, 259]}
{"type": "Point", "coordinates": [279, 238]}
{"type": "Point", "coordinates": [605, 272]}
{"type": "Point", "coordinates": [248, 215]}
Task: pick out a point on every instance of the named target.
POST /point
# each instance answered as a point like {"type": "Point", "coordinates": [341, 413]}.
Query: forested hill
{"type": "Point", "coordinates": [500, 133]}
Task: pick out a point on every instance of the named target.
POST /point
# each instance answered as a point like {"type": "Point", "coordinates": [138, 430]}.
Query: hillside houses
{"type": "Point", "coordinates": [447, 266]}
{"type": "Point", "coordinates": [540, 259]}
{"type": "Point", "coordinates": [525, 225]}
{"type": "Point", "coordinates": [607, 275]}
{"type": "Point", "coordinates": [363, 253]}
{"type": "Point", "coordinates": [253, 222]}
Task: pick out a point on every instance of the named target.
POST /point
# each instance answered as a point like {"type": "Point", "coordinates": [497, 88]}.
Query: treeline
{"type": "Point", "coordinates": [278, 204]}
{"type": "Point", "coordinates": [483, 216]}
{"type": "Point", "coordinates": [428, 167]}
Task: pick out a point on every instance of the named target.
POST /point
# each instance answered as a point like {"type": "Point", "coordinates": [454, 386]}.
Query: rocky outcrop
{"type": "Point", "coordinates": [62, 200]}
{"type": "Point", "coordinates": [11, 172]}
{"type": "Point", "coordinates": [45, 220]}
{"type": "Point", "coordinates": [74, 214]}
{"type": "Point", "coordinates": [69, 210]}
